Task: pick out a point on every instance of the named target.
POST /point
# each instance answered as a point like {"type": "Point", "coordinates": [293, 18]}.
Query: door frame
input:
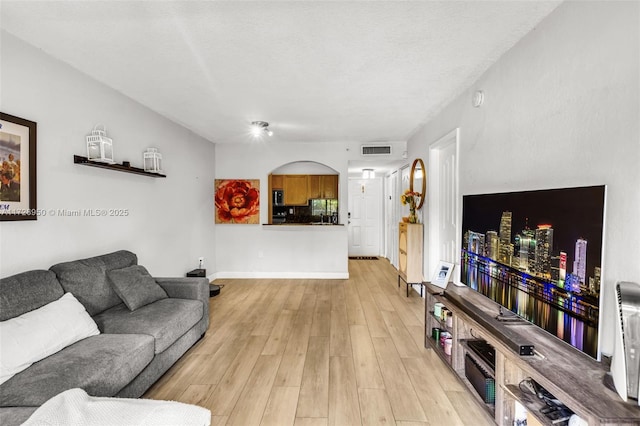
{"type": "Point", "coordinates": [387, 217]}
{"type": "Point", "coordinates": [393, 187]}
{"type": "Point", "coordinates": [435, 197]}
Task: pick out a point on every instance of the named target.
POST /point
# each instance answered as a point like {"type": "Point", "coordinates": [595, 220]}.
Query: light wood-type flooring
{"type": "Point", "coordinates": [319, 352]}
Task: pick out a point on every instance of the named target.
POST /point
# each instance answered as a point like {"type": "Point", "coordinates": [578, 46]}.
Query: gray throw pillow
{"type": "Point", "coordinates": [135, 286]}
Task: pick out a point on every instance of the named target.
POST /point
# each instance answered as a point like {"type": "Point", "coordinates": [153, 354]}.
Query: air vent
{"type": "Point", "coordinates": [376, 150]}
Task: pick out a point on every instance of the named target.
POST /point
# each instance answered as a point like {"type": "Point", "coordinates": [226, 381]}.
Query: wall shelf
{"type": "Point", "coordinates": [78, 159]}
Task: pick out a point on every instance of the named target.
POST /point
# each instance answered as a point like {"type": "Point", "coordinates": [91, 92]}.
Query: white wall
{"type": "Point", "coordinates": [258, 251]}
{"type": "Point", "coordinates": [561, 110]}
{"type": "Point", "coordinates": [170, 222]}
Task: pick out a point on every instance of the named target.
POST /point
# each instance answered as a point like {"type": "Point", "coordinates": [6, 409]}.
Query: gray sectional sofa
{"type": "Point", "coordinates": [134, 347]}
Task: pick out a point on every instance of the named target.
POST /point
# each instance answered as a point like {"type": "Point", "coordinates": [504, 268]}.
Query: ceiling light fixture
{"type": "Point", "coordinates": [368, 174]}
{"type": "Point", "coordinates": [258, 128]}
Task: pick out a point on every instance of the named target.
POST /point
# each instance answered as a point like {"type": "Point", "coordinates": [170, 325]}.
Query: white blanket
{"type": "Point", "coordinates": [75, 407]}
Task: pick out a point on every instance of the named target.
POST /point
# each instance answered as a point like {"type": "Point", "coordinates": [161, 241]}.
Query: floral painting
{"type": "Point", "coordinates": [237, 201]}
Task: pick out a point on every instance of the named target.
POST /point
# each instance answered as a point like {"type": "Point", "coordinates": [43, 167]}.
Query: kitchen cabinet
{"type": "Point", "coordinates": [299, 189]}
{"type": "Point", "coordinates": [329, 186]}
{"type": "Point", "coordinates": [323, 186]}
{"type": "Point", "coordinates": [314, 186]}
{"type": "Point", "coordinates": [277, 182]}
{"type": "Point", "coordinates": [296, 190]}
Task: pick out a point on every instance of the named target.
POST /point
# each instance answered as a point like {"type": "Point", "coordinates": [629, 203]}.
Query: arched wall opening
{"type": "Point", "coordinates": [304, 192]}
{"type": "Point", "coordinates": [304, 167]}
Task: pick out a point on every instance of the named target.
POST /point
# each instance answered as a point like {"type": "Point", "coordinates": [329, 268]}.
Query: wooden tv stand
{"type": "Point", "coordinates": [570, 375]}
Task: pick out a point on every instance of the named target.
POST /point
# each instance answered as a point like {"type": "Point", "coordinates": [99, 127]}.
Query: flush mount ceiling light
{"type": "Point", "coordinates": [259, 128]}
{"type": "Point", "coordinates": [368, 174]}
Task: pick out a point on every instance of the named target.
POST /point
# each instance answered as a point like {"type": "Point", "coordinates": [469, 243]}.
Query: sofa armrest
{"type": "Point", "coordinates": [185, 288]}
{"type": "Point", "coordinates": [188, 288]}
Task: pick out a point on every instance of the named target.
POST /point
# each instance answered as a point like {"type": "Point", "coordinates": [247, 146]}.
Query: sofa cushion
{"type": "Point", "coordinates": [35, 335]}
{"type": "Point", "coordinates": [135, 286]}
{"type": "Point", "coordinates": [27, 291]}
{"type": "Point", "coordinates": [166, 320]}
{"type": "Point", "coordinates": [102, 365]}
{"type": "Point", "coordinates": [15, 415]}
{"type": "Point", "coordinates": [87, 279]}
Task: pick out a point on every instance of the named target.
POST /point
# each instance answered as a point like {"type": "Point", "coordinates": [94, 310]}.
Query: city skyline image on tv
{"type": "Point", "coordinates": [538, 253]}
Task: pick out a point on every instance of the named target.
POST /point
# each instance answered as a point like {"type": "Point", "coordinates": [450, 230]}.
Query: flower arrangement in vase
{"type": "Point", "coordinates": [410, 197]}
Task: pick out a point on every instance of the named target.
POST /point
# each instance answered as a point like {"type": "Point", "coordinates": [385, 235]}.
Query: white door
{"type": "Point", "coordinates": [365, 216]}
{"type": "Point", "coordinates": [444, 212]}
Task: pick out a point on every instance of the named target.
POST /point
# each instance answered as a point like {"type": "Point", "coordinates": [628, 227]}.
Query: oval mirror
{"type": "Point", "coordinates": [418, 179]}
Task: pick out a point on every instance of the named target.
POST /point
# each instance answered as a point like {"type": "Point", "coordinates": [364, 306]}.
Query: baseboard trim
{"type": "Point", "coordinates": [283, 275]}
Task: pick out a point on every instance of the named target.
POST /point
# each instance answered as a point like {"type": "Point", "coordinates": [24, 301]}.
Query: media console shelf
{"type": "Point", "coordinates": [79, 159]}
{"type": "Point", "coordinates": [571, 376]}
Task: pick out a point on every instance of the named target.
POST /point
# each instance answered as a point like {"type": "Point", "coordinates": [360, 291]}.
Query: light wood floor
{"type": "Point", "coordinates": [319, 352]}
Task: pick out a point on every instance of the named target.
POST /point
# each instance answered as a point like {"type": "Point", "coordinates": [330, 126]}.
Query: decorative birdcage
{"type": "Point", "coordinates": [152, 160]}
{"type": "Point", "coordinates": [99, 146]}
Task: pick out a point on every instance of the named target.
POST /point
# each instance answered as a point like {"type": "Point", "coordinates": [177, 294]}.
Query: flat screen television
{"type": "Point", "coordinates": [539, 255]}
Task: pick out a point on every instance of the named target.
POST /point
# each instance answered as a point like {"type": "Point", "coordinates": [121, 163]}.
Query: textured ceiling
{"type": "Point", "coordinates": [317, 71]}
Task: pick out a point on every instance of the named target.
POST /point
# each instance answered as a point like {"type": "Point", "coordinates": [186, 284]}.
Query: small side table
{"type": "Point", "coordinates": [214, 289]}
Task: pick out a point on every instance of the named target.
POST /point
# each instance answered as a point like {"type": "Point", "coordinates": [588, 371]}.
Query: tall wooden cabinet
{"type": "Point", "coordinates": [410, 246]}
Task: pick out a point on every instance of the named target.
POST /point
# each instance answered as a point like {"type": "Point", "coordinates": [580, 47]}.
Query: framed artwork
{"type": "Point", "coordinates": [237, 201]}
{"type": "Point", "coordinates": [442, 274]}
{"type": "Point", "coordinates": [17, 168]}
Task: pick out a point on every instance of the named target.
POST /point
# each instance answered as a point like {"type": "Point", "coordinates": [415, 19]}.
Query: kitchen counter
{"type": "Point", "coordinates": [310, 224]}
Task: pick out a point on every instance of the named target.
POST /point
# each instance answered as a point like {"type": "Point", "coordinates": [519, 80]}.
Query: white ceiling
{"type": "Point", "coordinates": [317, 71]}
